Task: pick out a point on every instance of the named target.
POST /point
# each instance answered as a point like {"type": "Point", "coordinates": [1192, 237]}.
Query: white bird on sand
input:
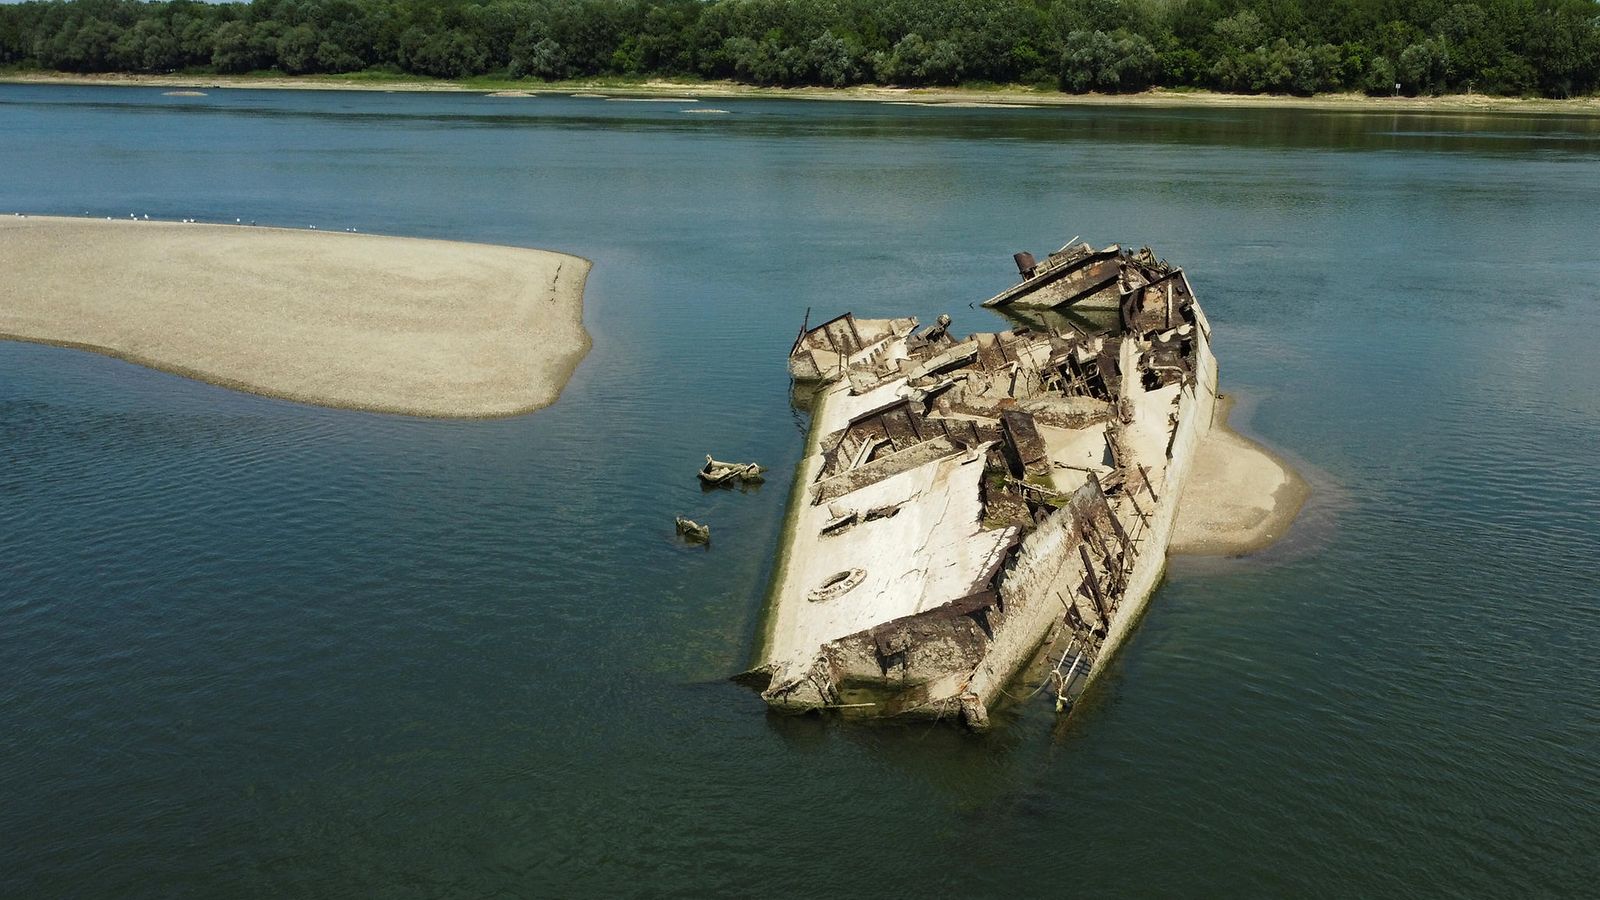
{"type": "Point", "coordinates": [147, 217]}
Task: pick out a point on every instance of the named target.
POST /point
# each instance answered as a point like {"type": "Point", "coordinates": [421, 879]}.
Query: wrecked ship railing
{"type": "Point", "coordinates": [1104, 561]}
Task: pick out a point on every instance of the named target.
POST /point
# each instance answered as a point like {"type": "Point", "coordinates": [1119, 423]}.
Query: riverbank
{"type": "Point", "coordinates": [356, 321]}
{"type": "Point", "coordinates": [1000, 96]}
{"type": "Point", "coordinates": [1240, 498]}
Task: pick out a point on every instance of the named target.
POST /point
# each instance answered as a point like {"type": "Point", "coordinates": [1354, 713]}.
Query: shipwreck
{"type": "Point", "coordinates": [966, 505]}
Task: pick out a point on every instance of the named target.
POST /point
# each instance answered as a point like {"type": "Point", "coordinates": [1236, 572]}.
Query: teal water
{"type": "Point", "coordinates": [256, 649]}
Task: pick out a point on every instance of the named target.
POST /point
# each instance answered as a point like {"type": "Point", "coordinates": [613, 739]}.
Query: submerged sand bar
{"type": "Point", "coordinates": [401, 325]}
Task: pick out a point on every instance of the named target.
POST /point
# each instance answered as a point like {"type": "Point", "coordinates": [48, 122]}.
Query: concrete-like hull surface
{"type": "Point", "coordinates": [960, 502]}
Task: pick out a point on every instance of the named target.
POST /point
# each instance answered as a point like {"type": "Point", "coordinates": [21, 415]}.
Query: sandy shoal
{"type": "Point", "coordinates": [399, 325]}
{"type": "Point", "coordinates": [1239, 497]}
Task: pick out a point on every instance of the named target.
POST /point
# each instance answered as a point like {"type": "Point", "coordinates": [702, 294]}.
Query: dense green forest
{"type": "Point", "coordinates": [1518, 47]}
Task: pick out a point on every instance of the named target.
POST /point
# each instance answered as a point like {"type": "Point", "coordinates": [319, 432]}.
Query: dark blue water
{"type": "Point", "coordinates": [251, 648]}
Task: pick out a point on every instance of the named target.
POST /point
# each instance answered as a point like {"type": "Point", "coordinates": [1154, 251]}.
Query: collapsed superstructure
{"type": "Point", "coordinates": [963, 501]}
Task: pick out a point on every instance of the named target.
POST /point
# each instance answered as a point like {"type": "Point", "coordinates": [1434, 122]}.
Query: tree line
{"type": "Point", "coordinates": [1512, 47]}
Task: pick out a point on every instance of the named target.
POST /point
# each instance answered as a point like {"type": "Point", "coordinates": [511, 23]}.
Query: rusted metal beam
{"type": "Point", "coordinates": [1116, 525]}
{"type": "Point", "coordinates": [805, 326]}
{"type": "Point", "coordinates": [1144, 473]}
{"type": "Point", "coordinates": [1100, 541]}
{"type": "Point", "coordinates": [1093, 581]}
{"type": "Point", "coordinates": [1142, 517]}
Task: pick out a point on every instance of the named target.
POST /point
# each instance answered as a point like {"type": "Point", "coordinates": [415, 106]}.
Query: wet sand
{"type": "Point", "coordinates": [356, 321]}
{"type": "Point", "coordinates": [1240, 497]}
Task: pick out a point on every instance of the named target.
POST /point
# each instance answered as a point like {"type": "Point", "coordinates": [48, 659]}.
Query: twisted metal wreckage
{"type": "Point", "coordinates": [964, 502]}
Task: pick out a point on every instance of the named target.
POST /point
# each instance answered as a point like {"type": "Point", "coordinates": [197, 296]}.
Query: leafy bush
{"type": "Point", "coordinates": [1550, 47]}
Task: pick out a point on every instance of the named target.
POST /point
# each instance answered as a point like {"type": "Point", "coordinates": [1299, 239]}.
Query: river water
{"type": "Point", "coordinates": [256, 649]}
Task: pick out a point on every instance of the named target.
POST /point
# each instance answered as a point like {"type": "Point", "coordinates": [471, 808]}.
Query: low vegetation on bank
{"type": "Point", "coordinates": [1508, 47]}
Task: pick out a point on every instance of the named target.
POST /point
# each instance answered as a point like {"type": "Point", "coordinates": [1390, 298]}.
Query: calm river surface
{"type": "Point", "coordinates": [255, 649]}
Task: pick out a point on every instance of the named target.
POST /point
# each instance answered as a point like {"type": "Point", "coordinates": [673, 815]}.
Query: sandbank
{"type": "Point", "coordinates": [357, 321]}
{"type": "Point", "coordinates": [1000, 96]}
{"type": "Point", "coordinates": [1240, 497]}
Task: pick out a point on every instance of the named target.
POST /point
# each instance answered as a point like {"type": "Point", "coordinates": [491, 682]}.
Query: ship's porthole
{"type": "Point", "coordinates": [836, 585]}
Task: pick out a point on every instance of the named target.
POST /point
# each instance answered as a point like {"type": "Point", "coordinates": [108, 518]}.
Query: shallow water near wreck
{"type": "Point", "coordinates": [253, 648]}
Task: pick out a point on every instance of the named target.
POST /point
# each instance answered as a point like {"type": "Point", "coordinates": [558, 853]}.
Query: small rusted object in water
{"type": "Point", "coordinates": [718, 472]}
{"type": "Point", "coordinates": [693, 531]}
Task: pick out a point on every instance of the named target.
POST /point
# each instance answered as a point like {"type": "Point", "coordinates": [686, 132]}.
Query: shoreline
{"type": "Point", "coordinates": [954, 97]}
{"type": "Point", "coordinates": [1239, 518]}
{"type": "Point", "coordinates": [396, 325]}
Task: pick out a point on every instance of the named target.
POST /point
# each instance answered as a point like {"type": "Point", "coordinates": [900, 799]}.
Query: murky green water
{"type": "Point", "coordinates": [252, 649]}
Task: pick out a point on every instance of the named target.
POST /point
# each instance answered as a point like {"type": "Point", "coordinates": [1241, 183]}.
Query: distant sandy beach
{"type": "Point", "coordinates": [998, 97]}
{"type": "Point", "coordinates": [1239, 498]}
{"type": "Point", "coordinates": [385, 324]}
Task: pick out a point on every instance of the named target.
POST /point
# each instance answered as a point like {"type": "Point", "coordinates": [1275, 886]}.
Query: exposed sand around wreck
{"type": "Point", "coordinates": [1240, 497]}
{"type": "Point", "coordinates": [400, 325]}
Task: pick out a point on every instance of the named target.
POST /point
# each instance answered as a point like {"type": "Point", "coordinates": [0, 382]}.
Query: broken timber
{"type": "Point", "coordinates": [963, 499]}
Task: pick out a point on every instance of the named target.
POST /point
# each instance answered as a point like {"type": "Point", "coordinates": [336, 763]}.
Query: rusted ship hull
{"type": "Point", "coordinates": [1071, 276]}
{"type": "Point", "coordinates": [961, 502]}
